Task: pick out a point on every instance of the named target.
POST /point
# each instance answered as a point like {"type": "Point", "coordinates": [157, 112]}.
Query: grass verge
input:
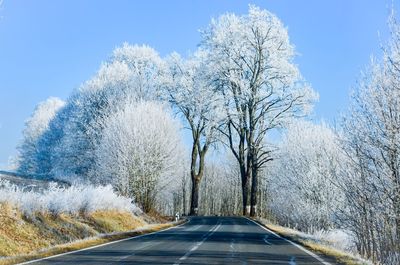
{"type": "Point", "coordinates": [86, 243]}
{"type": "Point", "coordinates": [332, 254]}
{"type": "Point", "coordinates": [43, 234]}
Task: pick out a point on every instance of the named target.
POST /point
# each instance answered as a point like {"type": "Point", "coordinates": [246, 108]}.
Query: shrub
{"type": "Point", "coordinates": [76, 199]}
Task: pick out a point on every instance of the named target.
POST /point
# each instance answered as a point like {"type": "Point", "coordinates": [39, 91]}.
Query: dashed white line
{"type": "Point", "coordinates": [195, 247]}
{"type": "Point", "coordinates": [137, 249]}
{"type": "Point", "coordinates": [194, 228]}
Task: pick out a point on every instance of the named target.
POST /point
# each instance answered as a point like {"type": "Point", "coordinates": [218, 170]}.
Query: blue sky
{"type": "Point", "coordinates": [48, 48]}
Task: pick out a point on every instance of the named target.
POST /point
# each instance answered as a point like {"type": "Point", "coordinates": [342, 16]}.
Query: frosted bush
{"type": "Point", "coordinates": [337, 238]}
{"type": "Point", "coordinates": [72, 200]}
{"type": "Point", "coordinates": [392, 259]}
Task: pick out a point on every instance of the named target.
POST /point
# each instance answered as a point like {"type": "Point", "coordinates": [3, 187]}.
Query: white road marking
{"type": "Point", "coordinates": [137, 249]}
{"type": "Point", "coordinates": [105, 244]}
{"type": "Point", "coordinates": [195, 247]}
{"type": "Point", "coordinates": [315, 256]}
{"type": "Point", "coordinates": [232, 249]}
{"type": "Point", "coordinates": [233, 253]}
{"type": "Point", "coordinates": [194, 228]}
{"type": "Point", "coordinates": [266, 240]}
{"type": "Point", "coordinates": [292, 261]}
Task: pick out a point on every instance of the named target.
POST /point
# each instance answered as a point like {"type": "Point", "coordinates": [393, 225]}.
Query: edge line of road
{"type": "Point", "coordinates": [104, 244]}
{"type": "Point", "coordinates": [293, 243]}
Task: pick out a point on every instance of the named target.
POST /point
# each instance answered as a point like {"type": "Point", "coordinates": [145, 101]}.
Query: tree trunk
{"type": "Point", "coordinates": [254, 189]}
{"type": "Point", "coordinates": [184, 198]}
{"type": "Point", "coordinates": [245, 195]}
{"type": "Point", "coordinates": [194, 202]}
{"type": "Point", "coordinates": [196, 172]}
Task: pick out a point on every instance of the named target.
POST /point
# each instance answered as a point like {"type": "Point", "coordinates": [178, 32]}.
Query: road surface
{"type": "Point", "coordinates": [203, 240]}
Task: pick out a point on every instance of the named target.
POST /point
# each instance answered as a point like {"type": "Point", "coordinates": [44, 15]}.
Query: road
{"type": "Point", "coordinates": [203, 240]}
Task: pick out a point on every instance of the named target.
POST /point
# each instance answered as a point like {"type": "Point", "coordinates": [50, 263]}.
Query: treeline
{"type": "Point", "coordinates": [348, 177]}
{"type": "Point", "coordinates": [114, 129]}
{"type": "Point", "coordinates": [124, 127]}
{"type": "Point", "coordinates": [118, 128]}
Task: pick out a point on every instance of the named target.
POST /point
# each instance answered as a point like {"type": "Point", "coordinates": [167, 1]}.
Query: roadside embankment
{"type": "Point", "coordinates": [41, 223]}
{"type": "Point", "coordinates": [323, 247]}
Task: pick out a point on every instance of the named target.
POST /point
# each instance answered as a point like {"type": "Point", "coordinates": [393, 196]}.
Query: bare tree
{"type": "Point", "coordinates": [253, 68]}
{"type": "Point", "coordinates": [371, 142]}
{"type": "Point", "coordinates": [191, 94]}
{"type": "Point", "coordinates": [220, 189]}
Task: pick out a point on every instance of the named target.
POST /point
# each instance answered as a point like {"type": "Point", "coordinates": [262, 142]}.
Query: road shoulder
{"type": "Point", "coordinates": [328, 254]}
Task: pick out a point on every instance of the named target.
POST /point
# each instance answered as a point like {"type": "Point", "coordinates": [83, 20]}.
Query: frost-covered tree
{"type": "Point", "coordinates": [371, 177]}
{"type": "Point", "coordinates": [252, 62]}
{"type": "Point", "coordinates": [131, 74]}
{"type": "Point", "coordinates": [31, 150]}
{"type": "Point", "coordinates": [190, 92]}
{"type": "Point", "coordinates": [220, 189]}
{"type": "Point", "coordinates": [145, 67]}
{"type": "Point", "coordinates": [139, 152]}
{"type": "Point", "coordinates": [302, 177]}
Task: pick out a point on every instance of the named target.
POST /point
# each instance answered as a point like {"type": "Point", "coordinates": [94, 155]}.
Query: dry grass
{"type": "Point", "coordinates": [113, 221]}
{"type": "Point", "coordinates": [339, 256]}
{"type": "Point", "coordinates": [24, 238]}
{"type": "Point", "coordinates": [81, 244]}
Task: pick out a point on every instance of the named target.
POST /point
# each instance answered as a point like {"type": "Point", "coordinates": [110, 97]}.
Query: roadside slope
{"type": "Point", "coordinates": [25, 238]}
{"type": "Point", "coordinates": [323, 249]}
{"type": "Point", "coordinates": [42, 220]}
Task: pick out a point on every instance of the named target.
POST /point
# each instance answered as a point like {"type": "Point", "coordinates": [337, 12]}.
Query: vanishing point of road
{"type": "Point", "coordinates": [202, 240]}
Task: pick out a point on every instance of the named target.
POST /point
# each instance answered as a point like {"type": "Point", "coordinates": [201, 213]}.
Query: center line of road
{"type": "Point", "coordinates": [196, 227]}
{"type": "Point", "coordinates": [137, 249]}
{"type": "Point", "coordinates": [205, 237]}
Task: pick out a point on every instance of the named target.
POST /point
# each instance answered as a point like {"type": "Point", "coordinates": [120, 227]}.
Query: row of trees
{"type": "Point", "coordinates": [371, 144]}
{"type": "Point", "coordinates": [348, 177]}
{"type": "Point", "coordinates": [113, 129]}
{"type": "Point", "coordinates": [319, 178]}
{"type": "Point", "coordinates": [240, 85]}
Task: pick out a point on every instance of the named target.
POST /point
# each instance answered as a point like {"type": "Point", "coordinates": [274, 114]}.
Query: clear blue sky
{"type": "Point", "coordinates": [48, 48]}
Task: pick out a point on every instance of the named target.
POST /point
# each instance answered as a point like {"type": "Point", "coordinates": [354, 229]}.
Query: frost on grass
{"type": "Point", "coordinates": [73, 200]}
{"type": "Point", "coordinates": [337, 238]}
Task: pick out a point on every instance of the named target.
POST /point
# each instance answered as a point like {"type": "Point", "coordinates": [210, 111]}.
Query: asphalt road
{"type": "Point", "coordinates": [203, 240]}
